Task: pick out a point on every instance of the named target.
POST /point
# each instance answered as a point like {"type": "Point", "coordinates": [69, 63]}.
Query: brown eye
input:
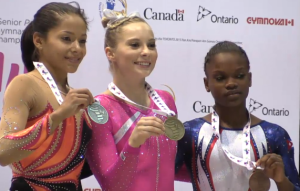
{"type": "Point", "coordinates": [134, 45]}
{"type": "Point", "coordinates": [66, 38]}
{"type": "Point", "coordinates": [241, 76]}
{"type": "Point", "coordinates": [152, 45]}
{"type": "Point", "coordinates": [219, 78]}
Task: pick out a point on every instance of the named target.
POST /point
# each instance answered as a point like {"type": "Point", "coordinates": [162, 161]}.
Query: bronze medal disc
{"type": "Point", "coordinates": [259, 181]}
{"type": "Point", "coordinates": [174, 128]}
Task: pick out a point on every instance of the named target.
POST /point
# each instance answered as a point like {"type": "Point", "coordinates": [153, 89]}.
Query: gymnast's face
{"type": "Point", "coordinates": [64, 46]}
{"type": "Point", "coordinates": [135, 53]}
{"type": "Point", "coordinates": [228, 79]}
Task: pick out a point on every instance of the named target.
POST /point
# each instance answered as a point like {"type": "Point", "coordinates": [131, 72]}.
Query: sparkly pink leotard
{"type": "Point", "coordinates": [119, 167]}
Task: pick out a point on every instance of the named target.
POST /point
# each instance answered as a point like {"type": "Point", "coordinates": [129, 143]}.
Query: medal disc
{"type": "Point", "coordinates": [174, 128]}
{"type": "Point", "coordinates": [259, 181]}
{"type": "Point", "coordinates": [98, 113]}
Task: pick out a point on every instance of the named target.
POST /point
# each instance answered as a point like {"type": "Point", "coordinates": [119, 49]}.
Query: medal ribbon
{"type": "Point", "coordinates": [165, 111]}
{"type": "Point", "coordinates": [49, 79]}
{"type": "Point", "coordinates": [246, 160]}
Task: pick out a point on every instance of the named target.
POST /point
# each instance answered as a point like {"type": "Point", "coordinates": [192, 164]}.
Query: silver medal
{"type": "Point", "coordinates": [98, 113]}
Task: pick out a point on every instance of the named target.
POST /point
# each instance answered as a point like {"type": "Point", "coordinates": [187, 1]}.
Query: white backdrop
{"type": "Point", "coordinates": [273, 51]}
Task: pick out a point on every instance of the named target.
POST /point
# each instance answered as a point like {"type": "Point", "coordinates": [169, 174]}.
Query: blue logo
{"type": "Point", "coordinates": [111, 5]}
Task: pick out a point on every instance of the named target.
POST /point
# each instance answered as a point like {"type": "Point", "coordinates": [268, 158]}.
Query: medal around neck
{"type": "Point", "coordinates": [98, 113]}
{"type": "Point", "coordinates": [174, 128]}
{"type": "Point", "coordinates": [259, 181]}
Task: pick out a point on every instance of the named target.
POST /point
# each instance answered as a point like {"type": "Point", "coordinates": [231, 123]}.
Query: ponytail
{"type": "Point", "coordinates": [28, 47]}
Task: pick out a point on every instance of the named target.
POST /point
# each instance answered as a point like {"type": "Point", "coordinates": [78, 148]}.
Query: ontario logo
{"type": "Point", "coordinates": [203, 13]}
{"type": "Point", "coordinates": [257, 106]}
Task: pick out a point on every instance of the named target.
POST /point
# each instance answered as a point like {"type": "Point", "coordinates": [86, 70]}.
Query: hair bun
{"type": "Point", "coordinates": [105, 22]}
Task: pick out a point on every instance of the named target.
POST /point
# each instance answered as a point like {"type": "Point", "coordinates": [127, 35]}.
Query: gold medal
{"type": "Point", "coordinates": [259, 181]}
{"type": "Point", "coordinates": [174, 128]}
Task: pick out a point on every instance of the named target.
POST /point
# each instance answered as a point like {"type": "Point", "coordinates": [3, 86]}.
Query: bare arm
{"type": "Point", "coordinates": [16, 142]}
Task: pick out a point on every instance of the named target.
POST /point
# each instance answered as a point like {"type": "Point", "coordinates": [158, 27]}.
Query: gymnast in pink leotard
{"type": "Point", "coordinates": [129, 151]}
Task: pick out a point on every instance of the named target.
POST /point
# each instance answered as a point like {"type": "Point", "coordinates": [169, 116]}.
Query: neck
{"type": "Point", "coordinates": [232, 117]}
{"type": "Point", "coordinates": [59, 76]}
{"type": "Point", "coordinates": [133, 89]}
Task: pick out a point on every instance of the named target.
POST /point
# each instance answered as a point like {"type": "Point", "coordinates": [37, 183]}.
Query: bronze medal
{"type": "Point", "coordinates": [174, 128]}
{"type": "Point", "coordinates": [259, 181]}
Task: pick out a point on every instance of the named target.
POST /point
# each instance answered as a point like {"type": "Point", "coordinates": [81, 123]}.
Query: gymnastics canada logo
{"type": "Point", "coordinates": [203, 13]}
{"type": "Point", "coordinates": [14, 71]}
{"type": "Point", "coordinates": [255, 106]}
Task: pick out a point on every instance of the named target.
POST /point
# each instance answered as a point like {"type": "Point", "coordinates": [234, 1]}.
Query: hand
{"type": "Point", "coordinates": [145, 128]}
{"type": "Point", "coordinates": [273, 167]}
{"type": "Point", "coordinates": [75, 100]}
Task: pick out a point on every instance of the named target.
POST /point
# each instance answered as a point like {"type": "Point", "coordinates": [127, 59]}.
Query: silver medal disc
{"type": "Point", "coordinates": [98, 113]}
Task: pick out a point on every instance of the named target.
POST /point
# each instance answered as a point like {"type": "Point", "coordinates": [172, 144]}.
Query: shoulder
{"type": "Point", "coordinates": [168, 99]}
{"type": "Point", "coordinates": [194, 124]}
{"type": "Point", "coordinates": [21, 85]}
{"type": "Point", "coordinates": [165, 94]}
{"type": "Point", "coordinates": [192, 129]}
{"type": "Point", "coordinates": [106, 99]}
{"type": "Point", "coordinates": [196, 121]}
{"type": "Point", "coordinates": [268, 127]}
{"type": "Point", "coordinates": [21, 81]}
{"type": "Point", "coordinates": [274, 132]}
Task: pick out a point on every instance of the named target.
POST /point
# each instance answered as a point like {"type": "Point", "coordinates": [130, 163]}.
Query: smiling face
{"type": "Point", "coordinates": [228, 79]}
{"type": "Point", "coordinates": [135, 52]}
{"type": "Point", "coordinates": [65, 45]}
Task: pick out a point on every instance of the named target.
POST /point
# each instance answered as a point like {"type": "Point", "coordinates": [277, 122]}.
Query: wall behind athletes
{"type": "Point", "coordinates": [269, 32]}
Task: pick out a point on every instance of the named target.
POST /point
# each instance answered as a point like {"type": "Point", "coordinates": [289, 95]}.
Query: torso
{"type": "Point", "coordinates": [157, 155]}
{"type": "Point", "coordinates": [211, 169]}
{"type": "Point", "coordinates": [57, 163]}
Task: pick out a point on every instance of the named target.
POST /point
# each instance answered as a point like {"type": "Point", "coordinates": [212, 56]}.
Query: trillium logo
{"type": "Point", "coordinates": [255, 106]}
{"type": "Point", "coordinates": [202, 12]}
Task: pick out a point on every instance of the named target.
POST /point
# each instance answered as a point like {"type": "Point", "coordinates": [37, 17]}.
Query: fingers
{"type": "Point", "coordinates": [83, 91]}
{"type": "Point", "coordinates": [152, 121]}
{"type": "Point", "coordinates": [82, 96]}
{"type": "Point", "coordinates": [152, 130]}
{"type": "Point", "coordinates": [270, 161]}
{"type": "Point", "coordinates": [82, 103]}
{"type": "Point", "coordinates": [92, 100]}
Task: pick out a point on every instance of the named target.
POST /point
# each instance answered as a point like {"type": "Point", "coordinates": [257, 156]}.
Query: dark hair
{"type": "Point", "coordinates": [46, 18]}
{"type": "Point", "coordinates": [225, 46]}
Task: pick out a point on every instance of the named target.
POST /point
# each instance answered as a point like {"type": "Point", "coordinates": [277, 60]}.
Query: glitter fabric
{"type": "Point", "coordinates": [210, 169]}
{"type": "Point", "coordinates": [40, 157]}
{"type": "Point", "coordinates": [120, 167]}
